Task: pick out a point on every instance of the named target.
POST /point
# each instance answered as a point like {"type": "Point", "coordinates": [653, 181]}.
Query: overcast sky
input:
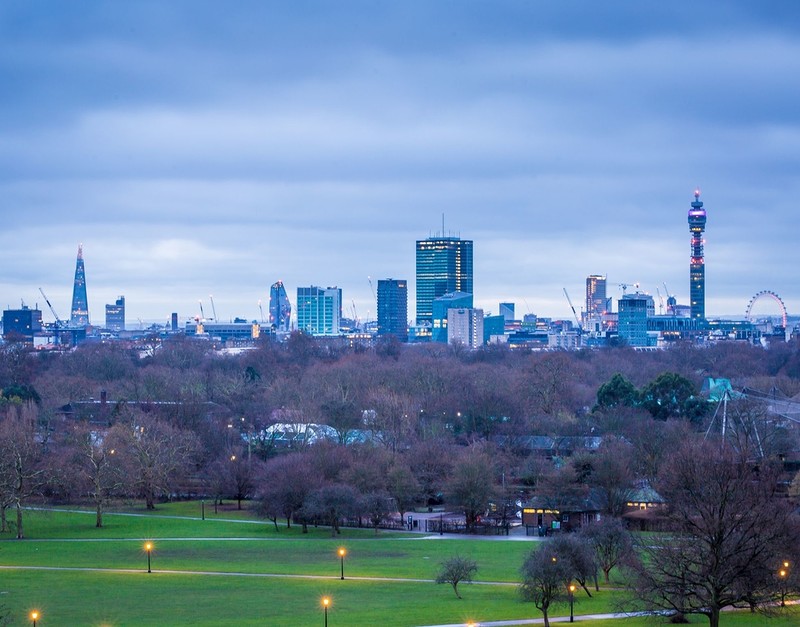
{"type": "Point", "coordinates": [199, 148]}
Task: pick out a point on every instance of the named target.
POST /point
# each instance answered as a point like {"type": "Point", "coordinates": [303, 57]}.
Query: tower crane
{"type": "Point", "coordinates": [59, 324]}
{"type": "Point", "coordinates": [574, 313]}
{"type": "Point", "coordinates": [625, 286]}
{"type": "Point", "coordinates": [660, 302]}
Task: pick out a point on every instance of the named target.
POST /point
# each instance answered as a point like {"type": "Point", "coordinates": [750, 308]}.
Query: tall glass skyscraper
{"type": "Point", "coordinates": [697, 268]}
{"type": "Point", "coordinates": [280, 309]}
{"type": "Point", "coordinates": [115, 315]}
{"type": "Point", "coordinates": [393, 308]}
{"type": "Point", "coordinates": [444, 265]}
{"type": "Point", "coordinates": [596, 302]}
{"type": "Point", "coordinates": [79, 316]}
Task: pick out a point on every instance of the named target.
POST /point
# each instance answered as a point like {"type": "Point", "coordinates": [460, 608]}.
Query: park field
{"type": "Point", "coordinates": [231, 569]}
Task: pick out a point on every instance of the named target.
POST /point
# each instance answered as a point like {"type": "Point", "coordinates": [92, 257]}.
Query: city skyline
{"type": "Point", "coordinates": [247, 145]}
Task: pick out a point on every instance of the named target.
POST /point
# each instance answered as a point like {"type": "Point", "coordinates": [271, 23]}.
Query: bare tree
{"type": "Point", "coordinates": [330, 504]}
{"type": "Point", "coordinates": [472, 484]}
{"type": "Point", "coordinates": [97, 466]}
{"type": "Point", "coordinates": [611, 541]}
{"type": "Point", "coordinates": [729, 534]}
{"type": "Point", "coordinates": [403, 487]}
{"type": "Point", "coordinates": [285, 483]}
{"type": "Point", "coordinates": [456, 569]}
{"type": "Point", "coordinates": [234, 474]}
{"type": "Point", "coordinates": [576, 552]}
{"type": "Point", "coordinates": [22, 469]}
{"type": "Point", "coordinates": [545, 580]}
{"type": "Point", "coordinates": [157, 455]}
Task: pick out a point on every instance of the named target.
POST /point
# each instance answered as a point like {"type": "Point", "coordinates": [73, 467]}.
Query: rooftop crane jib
{"type": "Point", "coordinates": [59, 324]}
{"type": "Point", "coordinates": [574, 313]}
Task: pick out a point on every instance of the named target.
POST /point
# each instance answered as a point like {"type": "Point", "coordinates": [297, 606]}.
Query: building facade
{"type": "Point", "coordinates": [393, 308]}
{"type": "Point", "coordinates": [596, 301]}
{"type": "Point", "coordinates": [115, 315]}
{"type": "Point", "coordinates": [465, 326]}
{"type": "Point", "coordinates": [444, 265]}
{"type": "Point", "coordinates": [634, 311]}
{"type": "Point", "coordinates": [280, 309]}
{"type": "Point", "coordinates": [697, 268]}
{"type": "Point", "coordinates": [79, 315]}
{"type": "Point", "coordinates": [440, 307]}
{"type": "Point", "coordinates": [21, 323]}
{"type": "Point", "coordinates": [319, 311]}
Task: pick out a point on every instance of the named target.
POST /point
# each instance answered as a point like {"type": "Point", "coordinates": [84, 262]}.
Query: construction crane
{"type": "Point", "coordinates": [660, 302]}
{"type": "Point", "coordinates": [355, 316]}
{"type": "Point", "coordinates": [59, 324]}
{"type": "Point", "coordinates": [261, 309]}
{"type": "Point", "coordinates": [574, 313]}
{"type": "Point", "coordinates": [213, 309]}
{"type": "Point", "coordinates": [202, 313]}
{"type": "Point", "coordinates": [625, 286]}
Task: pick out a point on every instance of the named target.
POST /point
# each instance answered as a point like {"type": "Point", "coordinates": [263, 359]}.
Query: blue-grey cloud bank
{"type": "Point", "coordinates": [199, 148]}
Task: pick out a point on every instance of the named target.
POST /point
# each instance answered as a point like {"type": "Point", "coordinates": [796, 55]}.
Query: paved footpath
{"type": "Point", "coordinates": [540, 621]}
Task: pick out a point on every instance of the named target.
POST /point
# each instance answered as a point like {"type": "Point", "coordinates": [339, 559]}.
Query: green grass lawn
{"type": "Point", "coordinates": [248, 594]}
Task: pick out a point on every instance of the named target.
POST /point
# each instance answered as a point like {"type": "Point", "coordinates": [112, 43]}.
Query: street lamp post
{"type": "Point", "coordinates": [571, 602]}
{"type": "Point", "coordinates": [325, 603]}
{"type": "Point", "coordinates": [34, 616]}
{"type": "Point", "coordinates": [782, 574]}
{"type": "Point", "coordinates": [148, 548]}
{"type": "Point", "coordinates": [342, 553]}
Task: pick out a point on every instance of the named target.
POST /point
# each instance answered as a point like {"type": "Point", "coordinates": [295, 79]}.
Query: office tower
{"type": "Point", "coordinates": [634, 310]}
{"type": "Point", "coordinates": [280, 309]}
{"type": "Point", "coordinates": [444, 265]}
{"type": "Point", "coordinates": [21, 324]}
{"type": "Point", "coordinates": [115, 315]}
{"type": "Point", "coordinates": [440, 307]}
{"type": "Point", "coordinates": [507, 311]}
{"type": "Point", "coordinates": [465, 326]}
{"type": "Point", "coordinates": [697, 268]}
{"type": "Point", "coordinates": [393, 308]}
{"type": "Point", "coordinates": [319, 310]}
{"type": "Point", "coordinates": [596, 302]}
{"type": "Point", "coordinates": [173, 321]}
{"type": "Point", "coordinates": [79, 317]}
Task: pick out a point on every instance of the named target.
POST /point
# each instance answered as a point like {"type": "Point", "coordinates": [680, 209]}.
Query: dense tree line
{"type": "Point", "coordinates": [438, 422]}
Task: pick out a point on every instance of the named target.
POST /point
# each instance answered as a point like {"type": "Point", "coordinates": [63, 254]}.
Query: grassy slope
{"type": "Point", "coordinates": [91, 598]}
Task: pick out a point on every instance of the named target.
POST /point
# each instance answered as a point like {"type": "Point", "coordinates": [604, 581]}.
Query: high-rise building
{"type": "Point", "coordinates": [596, 301]}
{"type": "Point", "coordinates": [465, 326]}
{"type": "Point", "coordinates": [634, 310]}
{"type": "Point", "coordinates": [21, 323]}
{"type": "Point", "coordinates": [393, 308]}
{"type": "Point", "coordinates": [79, 316]}
{"type": "Point", "coordinates": [280, 309]}
{"type": "Point", "coordinates": [507, 311]}
{"type": "Point", "coordinates": [697, 268]}
{"type": "Point", "coordinates": [444, 265]}
{"type": "Point", "coordinates": [440, 307]}
{"type": "Point", "coordinates": [319, 310]}
{"type": "Point", "coordinates": [115, 315]}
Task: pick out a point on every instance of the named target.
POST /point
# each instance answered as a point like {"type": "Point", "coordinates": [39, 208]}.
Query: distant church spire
{"type": "Point", "coordinates": [79, 316]}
